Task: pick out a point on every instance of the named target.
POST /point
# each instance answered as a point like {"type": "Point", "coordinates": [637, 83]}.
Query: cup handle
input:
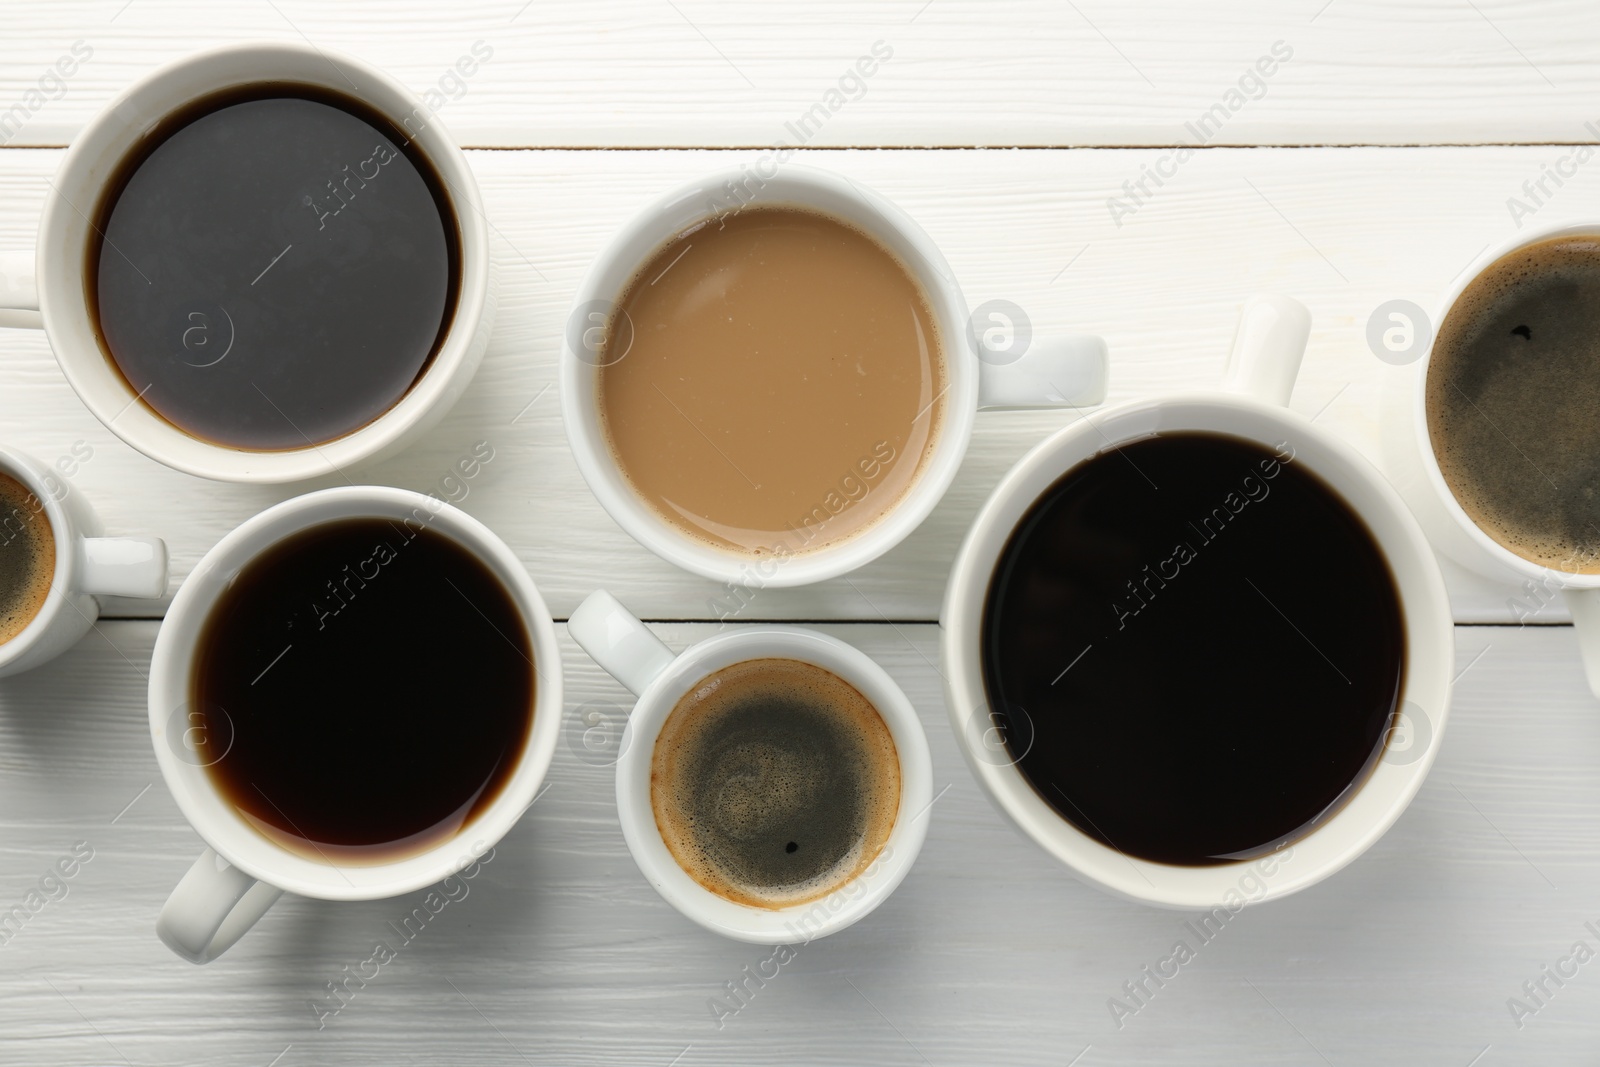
{"type": "Point", "coordinates": [1267, 348]}
{"type": "Point", "coordinates": [212, 907]}
{"type": "Point", "coordinates": [125, 566]}
{"type": "Point", "coordinates": [1065, 371]}
{"type": "Point", "coordinates": [1584, 604]}
{"type": "Point", "coordinates": [19, 292]}
{"type": "Point", "coordinates": [617, 641]}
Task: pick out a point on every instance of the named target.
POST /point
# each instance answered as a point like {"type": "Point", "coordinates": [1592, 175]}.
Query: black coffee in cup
{"type": "Point", "coordinates": [1513, 402]}
{"type": "Point", "coordinates": [1193, 648]}
{"type": "Point", "coordinates": [363, 689]}
{"type": "Point", "coordinates": [275, 268]}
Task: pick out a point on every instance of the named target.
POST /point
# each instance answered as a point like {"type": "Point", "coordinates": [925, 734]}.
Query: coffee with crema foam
{"type": "Point", "coordinates": [1513, 402]}
{"type": "Point", "coordinates": [774, 782]}
{"type": "Point", "coordinates": [27, 557]}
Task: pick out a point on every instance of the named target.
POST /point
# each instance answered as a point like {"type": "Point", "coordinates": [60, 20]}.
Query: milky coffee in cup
{"type": "Point", "coordinates": [773, 380]}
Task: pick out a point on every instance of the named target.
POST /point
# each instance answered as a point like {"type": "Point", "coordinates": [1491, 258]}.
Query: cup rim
{"type": "Point", "coordinates": [68, 321]}
{"type": "Point", "coordinates": [1430, 645]}
{"type": "Point", "coordinates": [64, 532]}
{"type": "Point", "coordinates": [1494, 550]}
{"type": "Point", "coordinates": [843, 906]}
{"type": "Point", "coordinates": [799, 184]}
{"type": "Point", "coordinates": [197, 797]}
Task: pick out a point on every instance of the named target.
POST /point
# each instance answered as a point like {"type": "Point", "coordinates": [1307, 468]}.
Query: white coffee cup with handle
{"type": "Point", "coordinates": [88, 564]}
{"type": "Point", "coordinates": [1414, 466]}
{"type": "Point", "coordinates": [660, 678]}
{"type": "Point", "coordinates": [1252, 405]}
{"type": "Point", "coordinates": [1066, 370]}
{"type": "Point", "coordinates": [242, 872]}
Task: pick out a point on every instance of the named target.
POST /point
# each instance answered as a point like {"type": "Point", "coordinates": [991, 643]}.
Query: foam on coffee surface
{"type": "Point", "coordinates": [1513, 400]}
{"type": "Point", "coordinates": [774, 782]}
{"type": "Point", "coordinates": [27, 557]}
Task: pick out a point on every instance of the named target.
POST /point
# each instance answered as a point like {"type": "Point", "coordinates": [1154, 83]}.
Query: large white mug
{"type": "Point", "coordinates": [46, 288]}
{"type": "Point", "coordinates": [88, 565]}
{"type": "Point", "coordinates": [1252, 405]}
{"type": "Point", "coordinates": [1067, 370]}
{"type": "Point", "coordinates": [242, 872]}
{"type": "Point", "coordinates": [638, 659]}
{"type": "Point", "coordinates": [1409, 455]}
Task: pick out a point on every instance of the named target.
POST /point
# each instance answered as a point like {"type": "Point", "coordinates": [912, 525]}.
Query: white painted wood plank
{"type": "Point", "coordinates": [988, 954]}
{"type": "Point", "coordinates": [694, 73]}
{"type": "Point", "coordinates": [1342, 229]}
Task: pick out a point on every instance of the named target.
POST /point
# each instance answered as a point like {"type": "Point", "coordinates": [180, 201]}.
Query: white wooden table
{"type": "Point", "coordinates": [1373, 164]}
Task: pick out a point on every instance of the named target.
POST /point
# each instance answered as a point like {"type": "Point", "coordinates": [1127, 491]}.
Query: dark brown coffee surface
{"type": "Point", "coordinates": [27, 557]}
{"type": "Point", "coordinates": [278, 266]}
{"type": "Point", "coordinates": [777, 381]}
{"type": "Point", "coordinates": [1193, 648]}
{"type": "Point", "coordinates": [372, 685]}
{"type": "Point", "coordinates": [774, 782]}
{"type": "Point", "coordinates": [1513, 401]}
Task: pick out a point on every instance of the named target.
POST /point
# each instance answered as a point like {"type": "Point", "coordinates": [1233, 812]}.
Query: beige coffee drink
{"type": "Point", "coordinates": [777, 381]}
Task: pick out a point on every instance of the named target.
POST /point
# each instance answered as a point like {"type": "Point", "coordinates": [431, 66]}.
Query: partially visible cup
{"type": "Point", "coordinates": [989, 364]}
{"type": "Point", "coordinates": [1411, 451]}
{"type": "Point", "coordinates": [60, 564]}
{"type": "Point", "coordinates": [663, 681]}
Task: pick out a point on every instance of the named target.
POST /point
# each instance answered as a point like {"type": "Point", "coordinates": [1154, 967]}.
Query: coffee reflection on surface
{"type": "Point", "coordinates": [27, 557]}
{"type": "Point", "coordinates": [371, 685]}
{"type": "Point", "coordinates": [1513, 402]}
{"type": "Point", "coordinates": [1195, 648]}
{"type": "Point", "coordinates": [279, 263]}
{"type": "Point", "coordinates": [774, 782]}
{"type": "Point", "coordinates": [773, 378]}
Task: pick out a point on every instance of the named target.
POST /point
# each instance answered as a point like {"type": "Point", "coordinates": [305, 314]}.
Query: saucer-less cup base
{"type": "Point", "coordinates": [1267, 350]}
{"type": "Point", "coordinates": [1060, 371]}
{"type": "Point", "coordinates": [635, 657]}
{"type": "Point", "coordinates": [87, 566]}
{"type": "Point", "coordinates": [241, 872]}
{"type": "Point", "coordinates": [45, 289]}
{"type": "Point", "coordinates": [1408, 453]}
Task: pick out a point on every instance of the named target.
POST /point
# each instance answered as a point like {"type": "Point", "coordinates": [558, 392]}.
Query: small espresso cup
{"type": "Point", "coordinates": [1251, 405]}
{"type": "Point", "coordinates": [242, 872]}
{"type": "Point", "coordinates": [622, 644]}
{"type": "Point", "coordinates": [1414, 466]}
{"type": "Point", "coordinates": [47, 288]}
{"type": "Point", "coordinates": [1067, 370]}
{"type": "Point", "coordinates": [88, 565]}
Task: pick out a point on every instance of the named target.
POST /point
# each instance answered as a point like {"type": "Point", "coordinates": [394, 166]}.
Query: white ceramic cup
{"type": "Point", "coordinates": [88, 565]}
{"type": "Point", "coordinates": [46, 289]}
{"type": "Point", "coordinates": [242, 872]}
{"type": "Point", "coordinates": [1409, 455]}
{"type": "Point", "coordinates": [660, 678]}
{"type": "Point", "coordinates": [1068, 370]}
{"type": "Point", "coordinates": [1261, 372]}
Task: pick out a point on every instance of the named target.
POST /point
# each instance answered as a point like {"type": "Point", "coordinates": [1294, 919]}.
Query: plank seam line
{"type": "Point", "coordinates": [1083, 147]}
